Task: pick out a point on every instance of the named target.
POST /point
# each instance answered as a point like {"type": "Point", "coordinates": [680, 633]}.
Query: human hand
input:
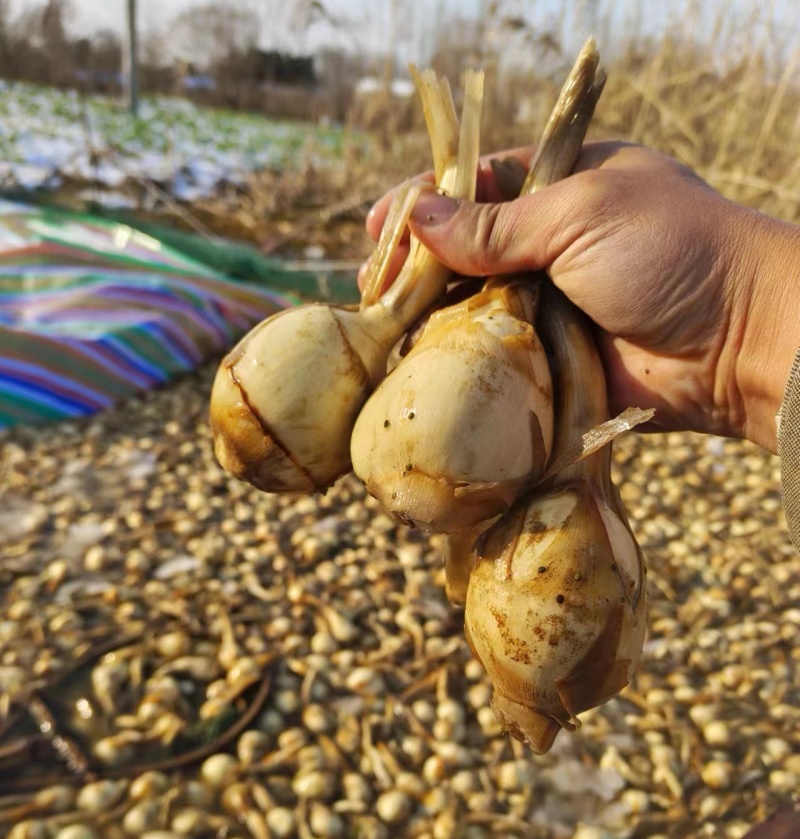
{"type": "Point", "coordinates": [695, 297]}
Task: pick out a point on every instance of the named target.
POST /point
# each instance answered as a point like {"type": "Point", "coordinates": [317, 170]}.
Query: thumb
{"type": "Point", "coordinates": [527, 234]}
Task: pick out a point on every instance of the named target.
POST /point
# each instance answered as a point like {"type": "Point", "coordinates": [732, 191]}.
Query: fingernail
{"type": "Point", "coordinates": [433, 208]}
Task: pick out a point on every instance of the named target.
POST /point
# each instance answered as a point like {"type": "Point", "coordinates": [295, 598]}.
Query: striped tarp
{"type": "Point", "coordinates": [92, 312]}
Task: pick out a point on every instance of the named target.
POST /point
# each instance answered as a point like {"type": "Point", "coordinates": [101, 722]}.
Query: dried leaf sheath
{"type": "Point", "coordinates": [423, 278]}
{"type": "Point", "coordinates": [393, 229]}
{"type": "Point", "coordinates": [569, 121]}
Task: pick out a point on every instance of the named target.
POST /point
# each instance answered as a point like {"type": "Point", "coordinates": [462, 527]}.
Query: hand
{"type": "Point", "coordinates": [696, 297]}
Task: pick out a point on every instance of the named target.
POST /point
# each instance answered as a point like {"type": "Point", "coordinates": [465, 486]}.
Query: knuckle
{"type": "Point", "coordinates": [493, 235]}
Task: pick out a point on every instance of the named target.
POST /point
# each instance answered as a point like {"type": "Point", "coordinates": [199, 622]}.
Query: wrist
{"type": "Point", "coordinates": [766, 324]}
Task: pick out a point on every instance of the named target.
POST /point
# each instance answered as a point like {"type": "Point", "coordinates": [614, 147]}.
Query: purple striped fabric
{"type": "Point", "coordinates": [85, 322]}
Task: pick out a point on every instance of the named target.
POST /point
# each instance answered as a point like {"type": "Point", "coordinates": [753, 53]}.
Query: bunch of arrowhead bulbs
{"type": "Point", "coordinates": [493, 428]}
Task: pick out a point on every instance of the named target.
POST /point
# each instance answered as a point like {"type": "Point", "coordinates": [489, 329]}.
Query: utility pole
{"type": "Point", "coordinates": [131, 60]}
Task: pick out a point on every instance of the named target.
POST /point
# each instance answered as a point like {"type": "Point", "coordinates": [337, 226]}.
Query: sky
{"type": "Point", "coordinates": [370, 21]}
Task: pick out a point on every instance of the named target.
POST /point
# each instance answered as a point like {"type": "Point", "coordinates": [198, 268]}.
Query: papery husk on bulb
{"type": "Point", "coordinates": [285, 399]}
{"type": "Point", "coordinates": [426, 444]}
{"type": "Point", "coordinates": [556, 606]}
{"type": "Point", "coordinates": [279, 428]}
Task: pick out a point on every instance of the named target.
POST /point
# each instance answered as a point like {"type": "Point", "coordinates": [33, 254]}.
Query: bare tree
{"type": "Point", "coordinates": [6, 37]}
{"type": "Point", "coordinates": [458, 45]}
{"type": "Point", "coordinates": [36, 43]}
{"type": "Point", "coordinates": [206, 35]}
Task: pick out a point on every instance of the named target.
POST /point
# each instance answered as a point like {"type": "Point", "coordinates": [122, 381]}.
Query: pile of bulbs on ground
{"type": "Point", "coordinates": [492, 428]}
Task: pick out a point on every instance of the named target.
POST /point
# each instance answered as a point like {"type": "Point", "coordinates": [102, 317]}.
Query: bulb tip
{"type": "Point", "coordinates": [537, 731]}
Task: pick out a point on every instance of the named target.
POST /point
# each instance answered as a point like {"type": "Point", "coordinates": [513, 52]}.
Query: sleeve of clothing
{"type": "Point", "coordinates": [788, 421]}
